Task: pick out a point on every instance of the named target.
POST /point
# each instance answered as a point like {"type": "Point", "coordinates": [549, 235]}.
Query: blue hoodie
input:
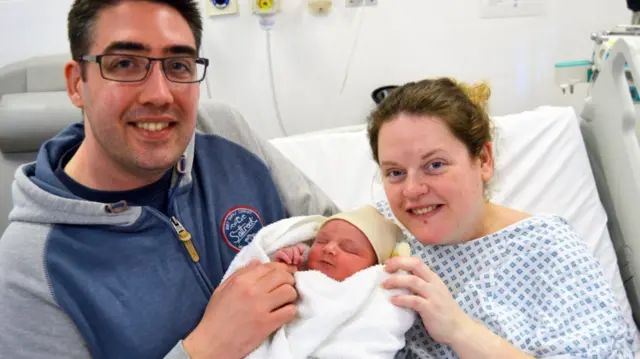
{"type": "Point", "coordinates": [84, 279]}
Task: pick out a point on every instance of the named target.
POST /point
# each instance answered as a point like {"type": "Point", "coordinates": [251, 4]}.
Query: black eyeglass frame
{"type": "Point", "coordinates": [98, 60]}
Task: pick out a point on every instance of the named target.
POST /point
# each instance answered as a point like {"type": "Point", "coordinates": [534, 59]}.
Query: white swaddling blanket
{"type": "Point", "coordinates": [349, 319]}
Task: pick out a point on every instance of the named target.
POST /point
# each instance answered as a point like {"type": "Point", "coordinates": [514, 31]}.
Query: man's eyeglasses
{"type": "Point", "coordinates": [135, 68]}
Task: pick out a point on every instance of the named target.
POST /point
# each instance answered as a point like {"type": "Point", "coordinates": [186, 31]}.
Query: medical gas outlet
{"type": "Point", "coordinates": [221, 7]}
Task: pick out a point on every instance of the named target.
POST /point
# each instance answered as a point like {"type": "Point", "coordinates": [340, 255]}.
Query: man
{"type": "Point", "coordinates": [123, 227]}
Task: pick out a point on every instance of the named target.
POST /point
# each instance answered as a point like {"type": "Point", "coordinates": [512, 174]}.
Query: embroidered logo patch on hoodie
{"type": "Point", "coordinates": [239, 225]}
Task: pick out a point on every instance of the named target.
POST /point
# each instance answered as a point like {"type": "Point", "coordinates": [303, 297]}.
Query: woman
{"type": "Point", "coordinates": [487, 281]}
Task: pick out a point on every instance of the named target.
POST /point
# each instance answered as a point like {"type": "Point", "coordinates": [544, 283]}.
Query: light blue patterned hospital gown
{"type": "Point", "coordinates": [533, 283]}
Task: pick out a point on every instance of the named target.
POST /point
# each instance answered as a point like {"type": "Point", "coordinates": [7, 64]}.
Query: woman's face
{"type": "Point", "coordinates": [434, 187]}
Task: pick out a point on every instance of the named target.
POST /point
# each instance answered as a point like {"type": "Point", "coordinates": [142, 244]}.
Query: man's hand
{"type": "Point", "coordinates": [243, 311]}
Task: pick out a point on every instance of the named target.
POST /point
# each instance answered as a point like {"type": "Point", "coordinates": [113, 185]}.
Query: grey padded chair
{"type": "Point", "coordinates": [34, 107]}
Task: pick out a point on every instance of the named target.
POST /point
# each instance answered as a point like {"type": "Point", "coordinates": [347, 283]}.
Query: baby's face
{"type": "Point", "coordinates": [340, 250]}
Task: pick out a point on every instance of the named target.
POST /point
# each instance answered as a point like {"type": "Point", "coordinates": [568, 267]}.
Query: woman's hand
{"type": "Point", "coordinates": [442, 316]}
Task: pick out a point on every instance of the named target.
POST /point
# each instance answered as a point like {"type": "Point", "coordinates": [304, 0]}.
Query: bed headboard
{"type": "Point", "coordinates": [609, 131]}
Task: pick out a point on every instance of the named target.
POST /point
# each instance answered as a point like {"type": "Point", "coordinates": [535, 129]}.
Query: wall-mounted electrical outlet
{"type": "Point", "coordinates": [512, 8]}
{"type": "Point", "coordinates": [257, 5]}
{"type": "Point", "coordinates": [354, 3]}
{"type": "Point", "coordinates": [370, 2]}
{"type": "Point", "coordinates": [221, 7]}
{"type": "Point", "coordinates": [320, 6]}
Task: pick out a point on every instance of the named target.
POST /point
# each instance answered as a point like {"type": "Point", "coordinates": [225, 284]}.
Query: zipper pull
{"type": "Point", "coordinates": [185, 237]}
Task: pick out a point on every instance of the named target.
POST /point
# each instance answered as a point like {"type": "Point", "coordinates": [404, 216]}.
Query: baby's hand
{"type": "Point", "coordinates": [291, 255]}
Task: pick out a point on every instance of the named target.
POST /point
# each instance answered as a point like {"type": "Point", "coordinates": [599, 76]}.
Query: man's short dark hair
{"type": "Point", "coordinates": [82, 18]}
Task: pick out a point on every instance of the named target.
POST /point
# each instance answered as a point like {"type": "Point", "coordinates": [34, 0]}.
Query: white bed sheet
{"type": "Point", "coordinates": [541, 167]}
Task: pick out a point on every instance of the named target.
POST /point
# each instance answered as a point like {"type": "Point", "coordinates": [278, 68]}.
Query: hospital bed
{"type": "Point", "coordinates": [549, 160]}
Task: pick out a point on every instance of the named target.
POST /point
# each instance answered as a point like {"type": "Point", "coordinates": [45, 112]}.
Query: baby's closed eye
{"type": "Point", "coordinates": [350, 248]}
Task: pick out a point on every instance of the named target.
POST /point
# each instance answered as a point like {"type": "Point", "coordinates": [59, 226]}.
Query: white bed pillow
{"type": "Point", "coordinates": [541, 167]}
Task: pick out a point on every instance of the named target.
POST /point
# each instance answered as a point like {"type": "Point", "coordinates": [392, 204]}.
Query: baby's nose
{"type": "Point", "coordinates": [330, 248]}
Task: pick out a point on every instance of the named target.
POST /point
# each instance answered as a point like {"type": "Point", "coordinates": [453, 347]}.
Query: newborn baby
{"type": "Point", "coordinates": [342, 309]}
{"type": "Point", "coordinates": [346, 243]}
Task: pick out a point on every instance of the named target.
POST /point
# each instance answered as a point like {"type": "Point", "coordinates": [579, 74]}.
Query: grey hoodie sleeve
{"type": "Point", "coordinates": [300, 195]}
{"type": "Point", "coordinates": [177, 352]}
{"type": "Point", "coordinates": [32, 325]}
